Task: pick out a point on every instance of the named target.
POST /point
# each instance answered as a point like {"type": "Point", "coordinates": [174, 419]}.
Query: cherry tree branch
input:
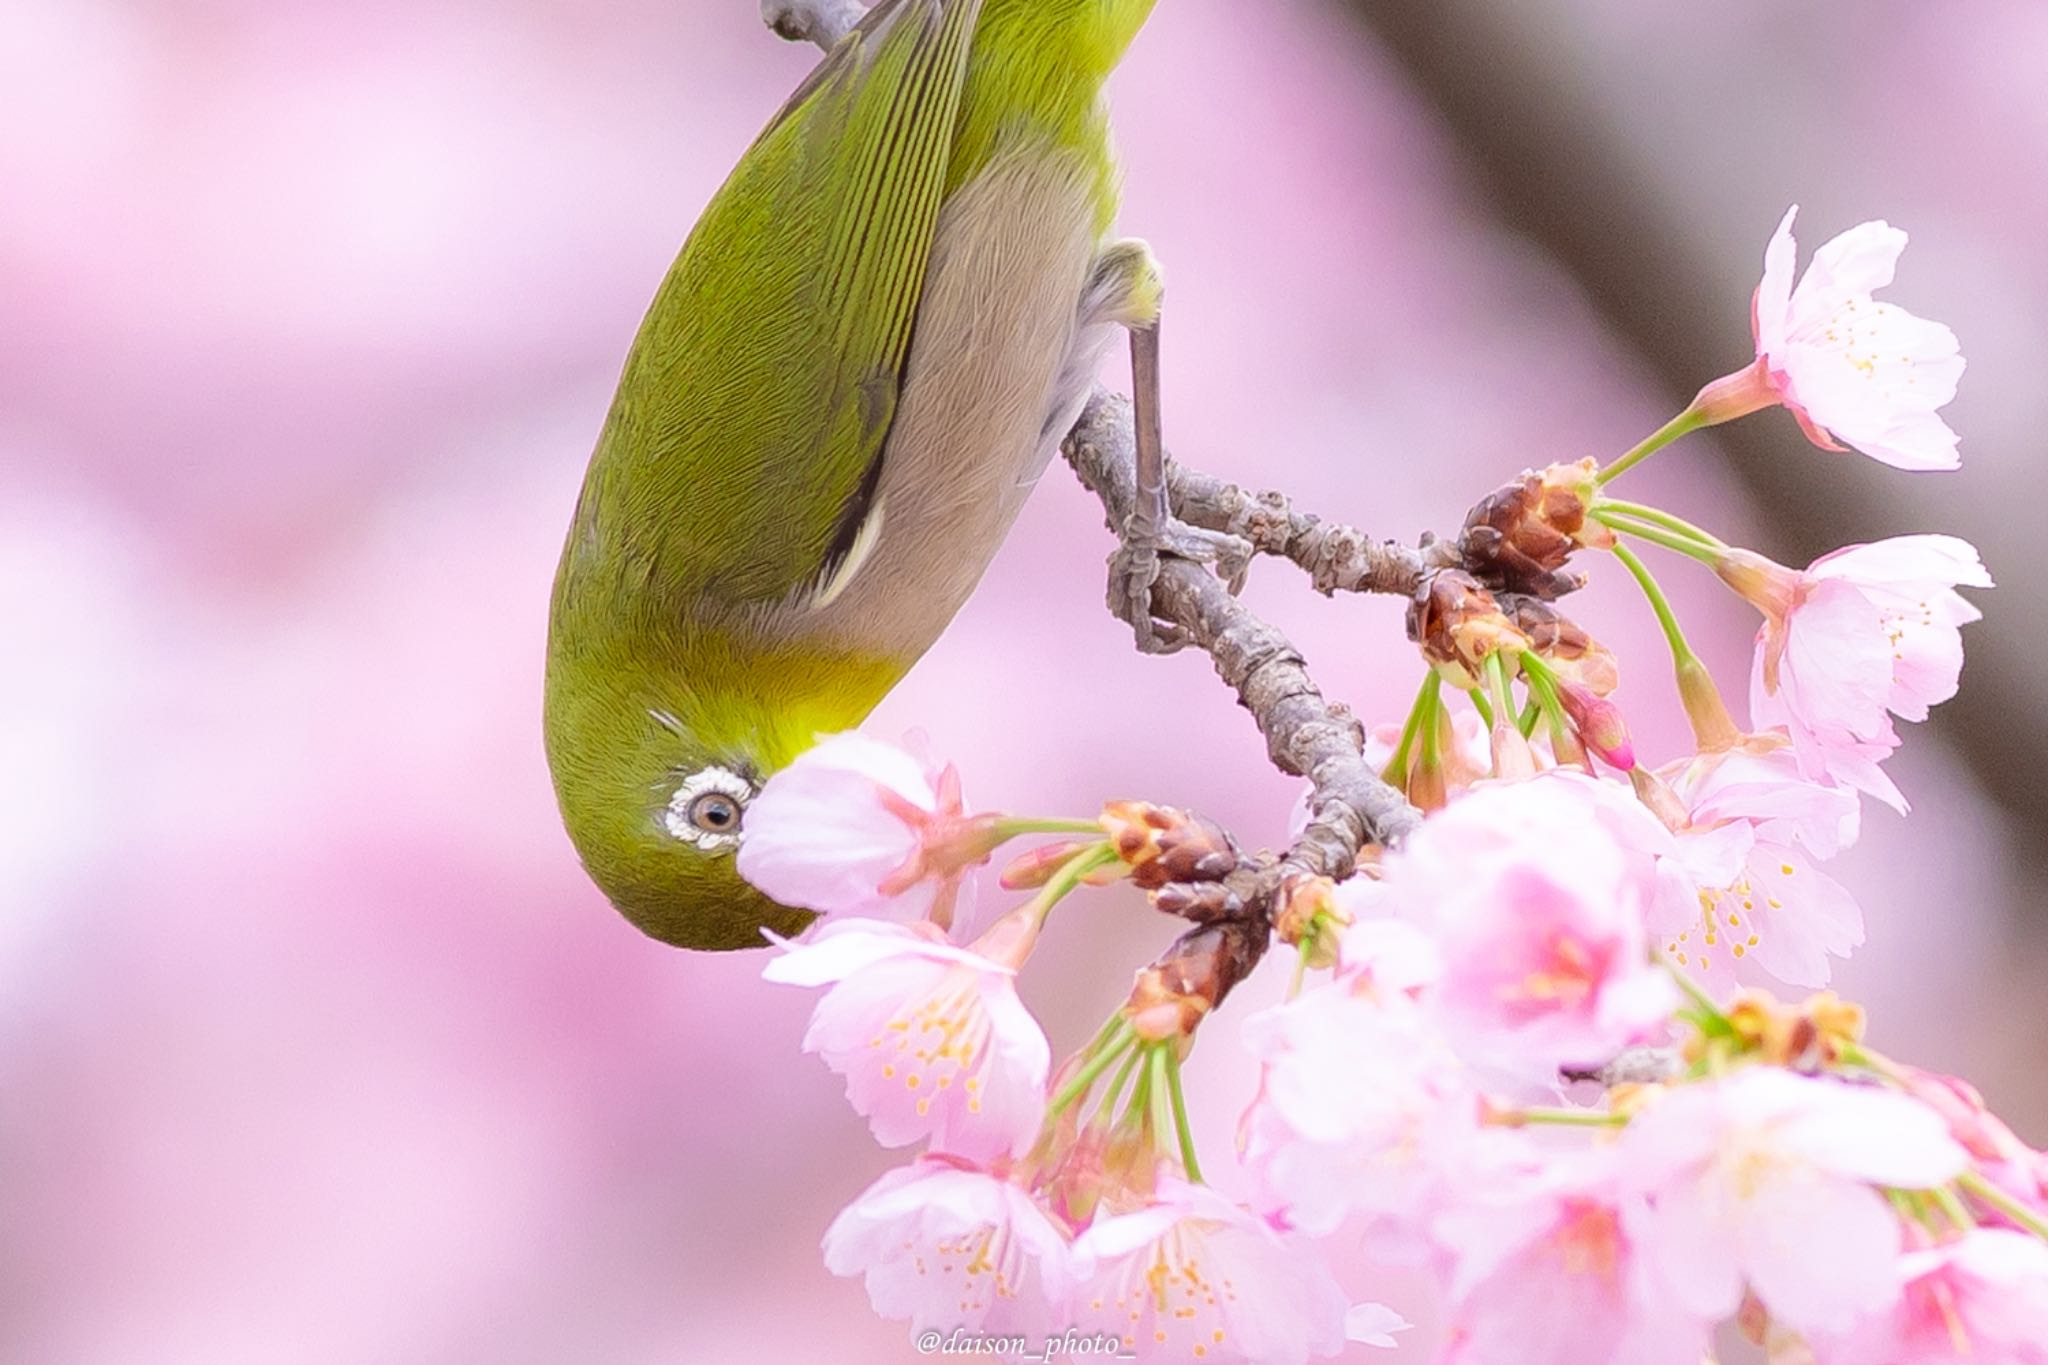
{"type": "Point", "coordinates": [1306, 735]}
{"type": "Point", "coordinates": [1336, 557]}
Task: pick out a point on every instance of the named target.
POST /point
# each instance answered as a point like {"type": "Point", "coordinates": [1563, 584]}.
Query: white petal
{"type": "Point", "coordinates": [1859, 261]}
{"type": "Point", "coordinates": [1774, 295]}
{"type": "Point", "coordinates": [1821, 1252]}
{"type": "Point", "coordinates": [1374, 1324]}
{"type": "Point", "coordinates": [1875, 1135]}
{"type": "Point", "coordinates": [842, 948]}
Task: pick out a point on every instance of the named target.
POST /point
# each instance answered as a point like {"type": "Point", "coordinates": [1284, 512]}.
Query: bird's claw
{"type": "Point", "coordinates": [1134, 569]}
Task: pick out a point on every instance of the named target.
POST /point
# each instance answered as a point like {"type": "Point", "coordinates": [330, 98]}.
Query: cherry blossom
{"type": "Point", "coordinates": [1538, 894]}
{"type": "Point", "coordinates": [1861, 635]}
{"type": "Point", "coordinates": [1765, 1180]}
{"type": "Point", "coordinates": [946, 1243]}
{"type": "Point", "coordinates": [1979, 1300]}
{"type": "Point", "coordinates": [1546, 1271]}
{"type": "Point", "coordinates": [1754, 828]}
{"type": "Point", "coordinates": [1193, 1276]}
{"type": "Point", "coordinates": [1848, 368]}
{"type": "Point", "coordinates": [857, 827]}
{"type": "Point", "coordinates": [1999, 1154]}
{"type": "Point", "coordinates": [1375, 1144]}
{"type": "Point", "coordinates": [931, 1038]}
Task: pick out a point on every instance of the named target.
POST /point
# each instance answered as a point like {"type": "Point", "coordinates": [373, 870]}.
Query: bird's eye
{"type": "Point", "coordinates": [705, 810]}
{"type": "Point", "coordinates": [715, 813]}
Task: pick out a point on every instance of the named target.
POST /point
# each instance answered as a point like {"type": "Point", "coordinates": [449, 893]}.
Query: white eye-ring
{"type": "Point", "coordinates": [705, 810]}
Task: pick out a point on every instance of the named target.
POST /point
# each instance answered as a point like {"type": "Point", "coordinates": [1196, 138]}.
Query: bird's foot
{"type": "Point", "coordinates": [1134, 569]}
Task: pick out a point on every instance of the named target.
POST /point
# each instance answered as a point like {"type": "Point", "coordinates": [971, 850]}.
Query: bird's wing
{"type": "Point", "coordinates": [742, 453]}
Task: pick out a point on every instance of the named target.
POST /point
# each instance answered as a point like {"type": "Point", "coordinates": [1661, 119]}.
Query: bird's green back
{"type": "Point", "coordinates": [766, 371]}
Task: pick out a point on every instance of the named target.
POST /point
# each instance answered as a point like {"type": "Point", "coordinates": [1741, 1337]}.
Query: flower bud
{"type": "Point", "coordinates": [1564, 644]}
{"type": "Point", "coordinates": [1805, 1036]}
{"type": "Point", "coordinates": [1170, 998]}
{"type": "Point", "coordinates": [1158, 1011]}
{"type": "Point", "coordinates": [1307, 909]}
{"type": "Point", "coordinates": [1161, 844]}
{"type": "Point", "coordinates": [1520, 536]}
{"type": "Point", "coordinates": [1033, 868]}
{"type": "Point", "coordinates": [1200, 902]}
{"type": "Point", "coordinates": [1600, 725]}
{"type": "Point", "coordinates": [1458, 624]}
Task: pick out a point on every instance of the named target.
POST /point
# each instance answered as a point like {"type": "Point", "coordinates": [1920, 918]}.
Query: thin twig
{"type": "Point", "coordinates": [1336, 557]}
{"type": "Point", "coordinates": [1635, 1066]}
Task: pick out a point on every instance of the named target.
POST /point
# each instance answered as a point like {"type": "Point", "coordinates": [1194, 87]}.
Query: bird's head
{"type": "Point", "coordinates": [654, 763]}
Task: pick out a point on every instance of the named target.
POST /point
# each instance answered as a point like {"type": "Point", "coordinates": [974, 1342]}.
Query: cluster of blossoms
{"type": "Point", "coordinates": [1527, 1049]}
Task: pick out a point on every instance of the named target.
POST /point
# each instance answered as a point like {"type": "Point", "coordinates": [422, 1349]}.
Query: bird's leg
{"type": "Point", "coordinates": [1132, 288]}
{"type": "Point", "coordinates": [823, 22]}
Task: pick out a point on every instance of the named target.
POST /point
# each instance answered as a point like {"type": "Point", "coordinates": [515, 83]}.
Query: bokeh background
{"type": "Point", "coordinates": [314, 1044]}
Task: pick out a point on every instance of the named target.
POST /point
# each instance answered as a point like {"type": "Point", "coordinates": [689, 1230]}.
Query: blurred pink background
{"type": "Point", "coordinates": [315, 1045]}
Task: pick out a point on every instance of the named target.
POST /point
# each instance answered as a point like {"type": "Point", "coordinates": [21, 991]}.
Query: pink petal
{"type": "Point", "coordinates": [1692, 1246]}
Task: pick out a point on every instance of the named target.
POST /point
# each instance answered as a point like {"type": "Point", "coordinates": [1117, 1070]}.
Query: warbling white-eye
{"type": "Point", "coordinates": [866, 353]}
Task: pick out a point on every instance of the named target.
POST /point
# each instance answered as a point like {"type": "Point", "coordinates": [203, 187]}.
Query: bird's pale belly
{"type": "Point", "coordinates": [997, 344]}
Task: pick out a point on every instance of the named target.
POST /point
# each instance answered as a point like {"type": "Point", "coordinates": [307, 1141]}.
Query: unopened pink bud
{"type": "Point", "coordinates": [1712, 727]}
{"type": "Point", "coordinates": [1600, 724]}
{"type": "Point", "coordinates": [1034, 868]}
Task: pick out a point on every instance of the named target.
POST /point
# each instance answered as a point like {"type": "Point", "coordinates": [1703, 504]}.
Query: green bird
{"type": "Point", "coordinates": [863, 358]}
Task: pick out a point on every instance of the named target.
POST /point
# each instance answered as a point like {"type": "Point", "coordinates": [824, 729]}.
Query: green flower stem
{"type": "Point", "coordinates": [1656, 516]}
{"type": "Point", "coordinates": [1497, 678]}
{"type": "Point", "coordinates": [1138, 1109]}
{"type": "Point", "coordinates": [1180, 1114]}
{"type": "Point", "coordinates": [1541, 683]}
{"type": "Point", "coordinates": [1526, 722]}
{"type": "Point", "coordinates": [1484, 707]}
{"type": "Point", "coordinates": [1396, 770]}
{"type": "Point", "coordinates": [1686, 421]}
{"type": "Point", "coordinates": [1952, 1208]}
{"type": "Point", "coordinates": [1432, 757]}
{"type": "Point", "coordinates": [1681, 652]}
{"type": "Point", "coordinates": [1070, 875]}
{"type": "Point", "coordinates": [1012, 826]}
{"type": "Point", "coordinates": [1107, 1109]}
{"type": "Point", "coordinates": [1161, 1090]}
{"type": "Point", "coordinates": [1658, 535]}
{"type": "Point", "coordinates": [1977, 1187]}
{"type": "Point", "coordinates": [1120, 1038]}
{"type": "Point", "coordinates": [1568, 1118]}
